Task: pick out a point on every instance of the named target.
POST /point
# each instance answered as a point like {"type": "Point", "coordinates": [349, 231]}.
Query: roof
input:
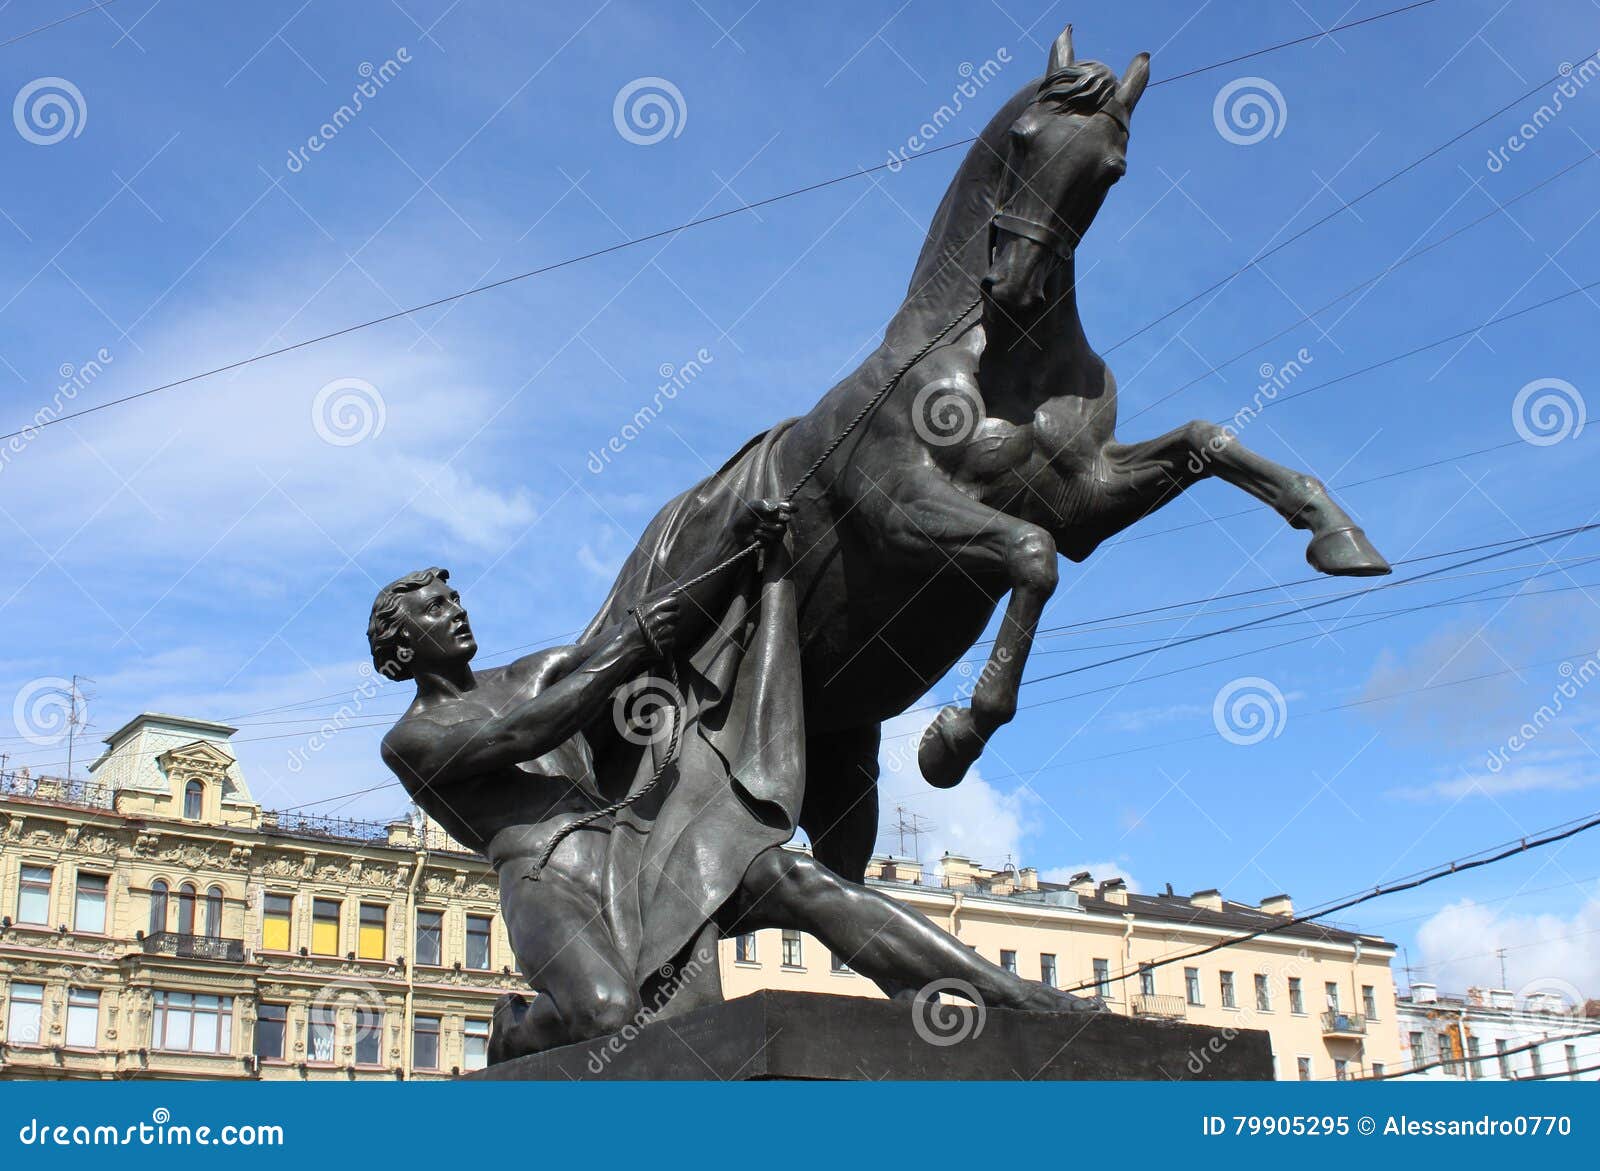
{"type": "Point", "coordinates": [1233, 917]}
{"type": "Point", "coordinates": [179, 722]}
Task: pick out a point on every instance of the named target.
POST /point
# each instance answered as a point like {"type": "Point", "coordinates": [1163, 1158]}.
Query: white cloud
{"type": "Point", "coordinates": [1544, 952]}
{"type": "Point", "coordinates": [1547, 773]}
{"type": "Point", "coordinates": [1100, 871]}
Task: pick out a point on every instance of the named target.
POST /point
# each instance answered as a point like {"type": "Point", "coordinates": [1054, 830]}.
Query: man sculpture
{"type": "Point", "coordinates": [504, 758]}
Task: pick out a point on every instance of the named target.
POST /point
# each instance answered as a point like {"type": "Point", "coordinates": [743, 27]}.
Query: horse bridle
{"type": "Point", "coordinates": [1044, 234]}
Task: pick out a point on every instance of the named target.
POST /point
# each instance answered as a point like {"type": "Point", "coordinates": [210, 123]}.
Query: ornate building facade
{"type": "Point", "coordinates": [157, 923]}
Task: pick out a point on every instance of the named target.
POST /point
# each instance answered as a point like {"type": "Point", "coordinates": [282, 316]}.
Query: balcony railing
{"type": "Point", "coordinates": [60, 790]}
{"type": "Point", "coordinates": [194, 947]}
{"type": "Point", "coordinates": [1171, 1007]}
{"type": "Point", "coordinates": [1343, 1024]}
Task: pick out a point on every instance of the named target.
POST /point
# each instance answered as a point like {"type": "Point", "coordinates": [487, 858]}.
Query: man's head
{"type": "Point", "coordinates": [417, 624]}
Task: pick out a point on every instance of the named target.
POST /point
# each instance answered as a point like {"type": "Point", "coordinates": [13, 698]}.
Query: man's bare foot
{"type": "Point", "coordinates": [504, 1026]}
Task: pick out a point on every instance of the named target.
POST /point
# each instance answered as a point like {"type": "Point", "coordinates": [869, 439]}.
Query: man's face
{"type": "Point", "coordinates": [436, 627]}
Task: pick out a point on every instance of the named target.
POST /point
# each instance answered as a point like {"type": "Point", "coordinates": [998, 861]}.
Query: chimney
{"type": "Point", "coordinates": [1278, 905]}
{"type": "Point", "coordinates": [1424, 993]}
{"type": "Point", "coordinates": [876, 865]}
{"type": "Point", "coordinates": [1081, 884]}
{"type": "Point", "coordinates": [957, 870]}
{"type": "Point", "coordinates": [1028, 878]}
{"type": "Point", "coordinates": [1114, 890]}
{"type": "Point", "coordinates": [1502, 998]}
{"type": "Point", "coordinates": [1206, 900]}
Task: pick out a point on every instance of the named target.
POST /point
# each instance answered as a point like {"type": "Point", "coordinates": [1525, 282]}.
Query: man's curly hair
{"type": "Point", "coordinates": [383, 628]}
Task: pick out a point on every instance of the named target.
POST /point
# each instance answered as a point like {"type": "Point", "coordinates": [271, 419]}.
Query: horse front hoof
{"type": "Point", "coordinates": [1346, 553]}
{"type": "Point", "coordinates": [950, 746]}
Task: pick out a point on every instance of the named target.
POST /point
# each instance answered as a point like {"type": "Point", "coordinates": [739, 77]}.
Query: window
{"type": "Point", "coordinates": [188, 1023]}
{"type": "Point", "coordinates": [475, 1053]}
{"type": "Point", "coordinates": [1191, 985]}
{"type": "Point", "coordinates": [214, 913]}
{"type": "Point", "coordinates": [369, 1035]}
{"type": "Point", "coordinates": [1572, 1061]}
{"type": "Point", "coordinates": [792, 955]}
{"type": "Point", "coordinates": [1297, 996]}
{"type": "Point", "coordinates": [1147, 980]}
{"type": "Point", "coordinates": [1008, 961]}
{"type": "Point", "coordinates": [430, 937]}
{"type": "Point", "coordinates": [276, 915]}
{"type": "Point", "coordinates": [1379, 1069]}
{"type": "Point", "coordinates": [186, 894]}
{"type": "Point", "coordinates": [1447, 1052]}
{"type": "Point", "coordinates": [325, 927]}
{"type": "Point", "coordinates": [25, 1019]}
{"type": "Point", "coordinates": [83, 1018]}
{"type": "Point", "coordinates": [89, 908]}
{"type": "Point", "coordinates": [478, 942]}
{"type": "Point", "coordinates": [1504, 1060]}
{"type": "Point", "coordinates": [1303, 1067]}
{"type": "Point", "coordinates": [1416, 1048]}
{"type": "Point", "coordinates": [744, 949]}
{"type": "Point", "coordinates": [1341, 1069]}
{"type": "Point", "coordinates": [425, 1042]}
{"type": "Point", "coordinates": [1369, 1002]}
{"type": "Point", "coordinates": [836, 962]}
{"type": "Point", "coordinates": [323, 1036]}
{"type": "Point", "coordinates": [193, 798]}
{"type": "Point", "coordinates": [1047, 969]}
{"type": "Point", "coordinates": [33, 899]}
{"type": "Point", "coordinates": [1263, 994]}
{"type": "Point", "coordinates": [272, 1022]}
{"type": "Point", "coordinates": [374, 926]}
{"type": "Point", "coordinates": [1474, 1068]}
{"type": "Point", "coordinates": [1229, 997]}
{"type": "Point", "coordinates": [1102, 978]}
{"type": "Point", "coordinates": [1332, 991]}
{"type": "Point", "coordinates": [158, 908]}
{"type": "Point", "coordinates": [1538, 1064]}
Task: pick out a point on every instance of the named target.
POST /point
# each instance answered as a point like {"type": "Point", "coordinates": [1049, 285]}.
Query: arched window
{"type": "Point", "coordinates": [214, 913]}
{"type": "Point", "coordinates": [158, 907]}
{"type": "Point", "coordinates": [186, 894]}
{"type": "Point", "coordinates": [193, 794]}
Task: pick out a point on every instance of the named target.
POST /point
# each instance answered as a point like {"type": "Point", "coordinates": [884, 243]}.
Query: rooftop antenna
{"type": "Point", "coordinates": [75, 719]}
{"type": "Point", "coordinates": [1501, 952]}
{"type": "Point", "coordinates": [914, 825]}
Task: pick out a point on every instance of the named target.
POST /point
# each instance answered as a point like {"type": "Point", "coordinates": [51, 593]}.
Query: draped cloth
{"type": "Point", "coordinates": [676, 855]}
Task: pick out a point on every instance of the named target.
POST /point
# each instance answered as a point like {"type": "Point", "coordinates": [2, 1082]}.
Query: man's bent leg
{"type": "Point", "coordinates": [566, 953]}
{"type": "Point", "coordinates": [877, 936]}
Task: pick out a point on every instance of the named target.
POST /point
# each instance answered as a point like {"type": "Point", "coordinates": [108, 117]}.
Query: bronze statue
{"type": "Point", "coordinates": [918, 503]}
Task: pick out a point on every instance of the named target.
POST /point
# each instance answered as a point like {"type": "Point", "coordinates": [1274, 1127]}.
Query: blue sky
{"type": "Point", "coordinates": [208, 550]}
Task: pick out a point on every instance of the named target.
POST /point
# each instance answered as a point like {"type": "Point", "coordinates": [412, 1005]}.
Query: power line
{"type": "Point", "coordinates": [1344, 206]}
{"type": "Point", "coordinates": [694, 223]}
{"type": "Point", "coordinates": [59, 21]}
{"type": "Point", "coordinates": [1470, 1059]}
{"type": "Point", "coordinates": [1445, 870]}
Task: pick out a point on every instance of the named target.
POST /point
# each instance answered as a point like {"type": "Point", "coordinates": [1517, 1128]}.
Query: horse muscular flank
{"type": "Point", "coordinates": [995, 454]}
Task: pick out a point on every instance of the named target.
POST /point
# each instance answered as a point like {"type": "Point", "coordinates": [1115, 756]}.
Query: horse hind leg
{"type": "Point", "coordinates": [839, 813]}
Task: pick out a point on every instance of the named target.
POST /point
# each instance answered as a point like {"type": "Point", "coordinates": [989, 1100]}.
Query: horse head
{"type": "Point", "coordinates": [1063, 153]}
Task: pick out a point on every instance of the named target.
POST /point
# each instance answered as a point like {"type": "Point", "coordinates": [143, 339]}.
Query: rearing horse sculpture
{"type": "Point", "coordinates": [995, 454]}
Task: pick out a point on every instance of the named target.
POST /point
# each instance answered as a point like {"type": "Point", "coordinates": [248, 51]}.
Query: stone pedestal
{"type": "Point", "coordinates": [800, 1035]}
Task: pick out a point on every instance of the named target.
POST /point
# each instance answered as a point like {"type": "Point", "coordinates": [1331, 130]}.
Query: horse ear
{"type": "Point", "coordinates": [1134, 80]}
{"type": "Point", "coordinates": [1060, 53]}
